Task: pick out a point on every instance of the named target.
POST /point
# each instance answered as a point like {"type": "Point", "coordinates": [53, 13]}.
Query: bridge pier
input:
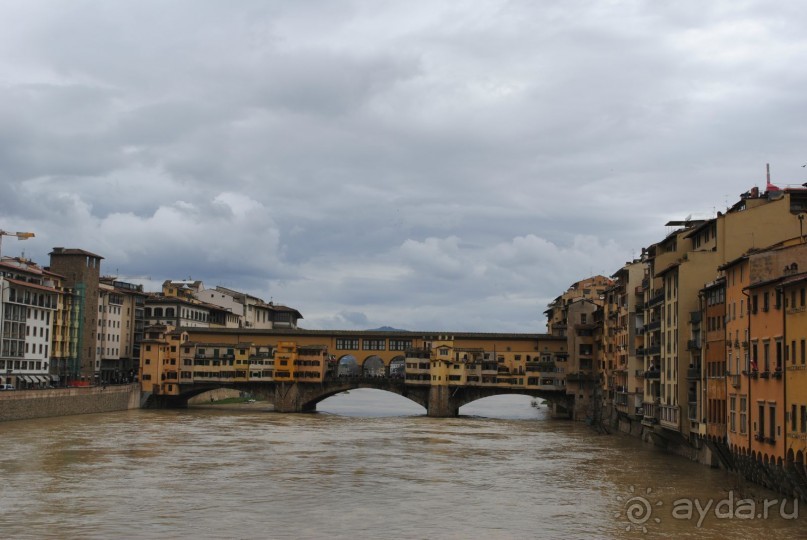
{"type": "Point", "coordinates": [440, 403]}
{"type": "Point", "coordinates": [289, 399]}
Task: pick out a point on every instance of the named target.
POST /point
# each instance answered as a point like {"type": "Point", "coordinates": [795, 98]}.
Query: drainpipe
{"type": "Point", "coordinates": [781, 292]}
{"type": "Point", "coordinates": [748, 401]}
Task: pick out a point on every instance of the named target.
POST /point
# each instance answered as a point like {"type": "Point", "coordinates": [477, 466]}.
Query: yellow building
{"type": "Point", "coordinates": [794, 291]}
{"type": "Point", "coordinates": [160, 361]}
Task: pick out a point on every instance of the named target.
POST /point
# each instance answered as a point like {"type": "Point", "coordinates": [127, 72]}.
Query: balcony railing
{"type": "Point", "coordinates": [735, 381]}
{"type": "Point", "coordinates": [650, 413]}
{"type": "Point", "coordinates": [669, 416]}
{"type": "Point", "coordinates": [654, 374]}
{"type": "Point", "coordinates": [694, 373]}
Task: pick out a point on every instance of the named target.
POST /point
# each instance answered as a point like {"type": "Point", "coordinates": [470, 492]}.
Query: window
{"type": "Point", "coordinates": [349, 344]}
{"type": "Point", "coordinates": [761, 432]}
{"type": "Point", "coordinates": [793, 418]}
{"type": "Point", "coordinates": [733, 413]}
{"type": "Point", "coordinates": [766, 347]}
{"type": "Point", "coordinates": [778, 356]}
{"type": "Point", "coordinates": [400, 344]}
{"type": "Point", "coordinates": [743, 414]}
{"type": "Point", "coordinates": [374, 344]}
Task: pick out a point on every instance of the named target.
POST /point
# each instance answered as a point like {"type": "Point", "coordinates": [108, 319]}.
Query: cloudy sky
{"type": "Point", "coordinates": [425, 165]}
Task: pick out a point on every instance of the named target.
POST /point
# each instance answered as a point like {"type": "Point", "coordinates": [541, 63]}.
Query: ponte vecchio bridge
{"type": "Point", "coordinates": [296, 369]}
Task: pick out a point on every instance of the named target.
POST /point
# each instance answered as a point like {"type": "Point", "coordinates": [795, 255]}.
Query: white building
{"type": "Point", "coordinates": [28, 302]}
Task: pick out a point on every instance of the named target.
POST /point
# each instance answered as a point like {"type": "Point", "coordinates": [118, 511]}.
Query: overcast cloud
{"type": "Point", "coordinates": [425, 165]}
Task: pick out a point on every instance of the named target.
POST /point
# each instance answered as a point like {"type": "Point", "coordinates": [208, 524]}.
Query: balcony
{"type": "Point", "coordinates": [694, 317]}
{"type": "Point", "coordinates": [654, 350]}
{"type": "Point", "coordinates": [579, 377]}
{"type": "Point", "coordinates": [650, 413]}
{"type": "Point", "coordinates": [693, 345]}
{"type": "Point", "coordinates": [639, 373]}
{"type": "Point", "coordinates": [669, 416]}
{"type": "Point", "coordinates": [735, 381]}
{"type": "Point", "coordinates": [694, 373]}
{"type": "Point", "coordinates": [654, 374]}
{"type": "Point", "coordinates": [654, 325]}
{"type": "Point", "coordinates": [656, 299]}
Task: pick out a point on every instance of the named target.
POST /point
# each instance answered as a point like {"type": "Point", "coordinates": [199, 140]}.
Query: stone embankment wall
{"type": "Point", "coordinates": [789, 479]}
{"type": "Point", "coordinates": [27, 404]}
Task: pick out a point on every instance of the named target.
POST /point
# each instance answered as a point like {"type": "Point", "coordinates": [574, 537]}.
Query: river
{"type": "Point", "coordinates": [368, 465]}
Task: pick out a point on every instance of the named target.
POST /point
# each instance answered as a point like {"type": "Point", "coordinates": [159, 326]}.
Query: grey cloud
{"type": "Point", "coordinates": [422, 165]}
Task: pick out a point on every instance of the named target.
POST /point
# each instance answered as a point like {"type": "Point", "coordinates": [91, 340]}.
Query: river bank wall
{"type": "Point", "coordinates": [789, 479]}
{"type": "Point", "coordinates": [28, 404]}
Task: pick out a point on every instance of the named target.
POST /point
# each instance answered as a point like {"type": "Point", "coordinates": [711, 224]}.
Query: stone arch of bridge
{"type": "Point", "coordinates": [255, 390]}
{"type": "Point", "coordinates": [465, 395]}
{"type": "Point", "coordinates": [417, 395]}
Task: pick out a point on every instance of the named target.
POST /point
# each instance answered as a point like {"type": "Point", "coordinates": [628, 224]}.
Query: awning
{"type": "Point", "coordinates": [24, 378]}
{"type": "Point", "coordinates": [40, 379]}
{"type": "Point", "coordinates": [54, 378]}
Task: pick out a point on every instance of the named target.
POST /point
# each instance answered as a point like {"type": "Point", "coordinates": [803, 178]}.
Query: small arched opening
{"type": "Point", "coordinates": [374, 367]}
{"type": "Point", "coordinates": [397, 367]}
{"type": "Point", "coordinates": [348, 366]}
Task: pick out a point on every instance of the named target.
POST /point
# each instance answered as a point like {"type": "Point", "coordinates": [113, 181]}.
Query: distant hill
{"type": "Point", "coordinates": [387, 329]}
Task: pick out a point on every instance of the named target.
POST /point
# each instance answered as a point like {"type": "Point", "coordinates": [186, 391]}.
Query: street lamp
{"type": "Point", "coordinates": [19, 235]}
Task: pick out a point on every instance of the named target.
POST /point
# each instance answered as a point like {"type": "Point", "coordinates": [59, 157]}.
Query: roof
{"type": "Point", "coordinates": [72, 251]}
{"type": "Point", "coordinates": [155, 299]}
{"type": "Point", "coordinates": [796, 278]}
{"type": "Point", "coordinates": [244, 332]}
{"type": "Point", "coordinates": [699, 228]}
{"type": "Point", "coordinates": [287, 309]}
{"type": "Point", "coordinates": [729, 264]}
{"type": "Point", "coordinates": [31, 285]}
